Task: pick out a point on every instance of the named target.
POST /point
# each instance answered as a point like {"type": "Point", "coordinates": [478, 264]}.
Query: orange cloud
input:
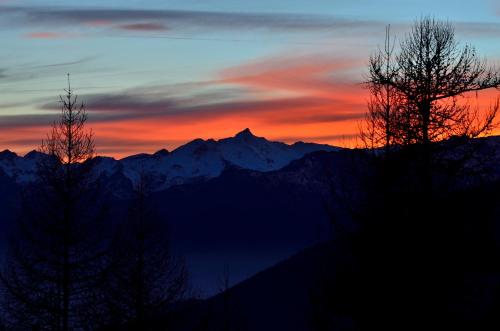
{"type": "Point", "coordinates": [313, 99]}
{"type": "Point", "coordinates": [332, 86]}
{"type": "Point", "coordinates": [306, 99]}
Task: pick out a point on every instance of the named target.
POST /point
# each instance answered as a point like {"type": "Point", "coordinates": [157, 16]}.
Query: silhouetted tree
{"type": "Point", "coordinates": [379, 128]}
{"type": "Point", "coordinates": [430, 74]}
{"type": "Point", "coordinates": [56, 255]}
{"type": "Point", "coordinates": [420, 99]}
{"type": "Point", "coordinates": [146, 278]}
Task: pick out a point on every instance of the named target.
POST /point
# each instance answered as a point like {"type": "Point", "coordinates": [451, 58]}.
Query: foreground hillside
{"type": "Point", "coordinates": [283, 297]}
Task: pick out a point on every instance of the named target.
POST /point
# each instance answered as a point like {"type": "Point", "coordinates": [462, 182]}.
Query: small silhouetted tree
{"type": "Point", "coordinates": [55, 258]}
{"type": "Point", "coordinates": [384, 104]}
{"type": "Point", "coordinates": [146, 277]}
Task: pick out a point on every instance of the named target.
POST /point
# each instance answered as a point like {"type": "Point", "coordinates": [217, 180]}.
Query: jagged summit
{"type": "Point", "coordinates": [245, 134]}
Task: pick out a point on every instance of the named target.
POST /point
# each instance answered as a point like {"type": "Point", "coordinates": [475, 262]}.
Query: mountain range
{"type": "Point", "coordinates": [197, 160]}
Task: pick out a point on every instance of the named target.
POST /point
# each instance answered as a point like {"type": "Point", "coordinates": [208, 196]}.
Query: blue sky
{"type": "Point", "coordinates": [169, 71]}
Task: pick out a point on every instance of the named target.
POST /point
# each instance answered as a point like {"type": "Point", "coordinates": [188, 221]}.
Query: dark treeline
{"type": "Point", "coordinates": [68, 267]}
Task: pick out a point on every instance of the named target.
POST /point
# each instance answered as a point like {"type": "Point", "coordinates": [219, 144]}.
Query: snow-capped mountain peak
{"type": "Point", "coordinates": [197, 160]}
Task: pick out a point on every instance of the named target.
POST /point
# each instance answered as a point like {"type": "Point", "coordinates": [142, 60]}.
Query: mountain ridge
{"type": "Point", "coordinates": [198, 159]}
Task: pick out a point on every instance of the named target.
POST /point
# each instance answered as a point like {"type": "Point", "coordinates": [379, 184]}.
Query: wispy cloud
{"type": "Point", "coordinates": [143, 27]}
{"type": "Point", "coordinates": [37, 69]}
{"type": "Point", "coordinates": [26, 120]}
{"type": "Point", "coordinates": [315, 75]}
{"type": "Point", "coordinates": [57, 16]}
{"type": "Point", "coordinates": [119, 107]}
{"type": "Point", "coordinates": [64, 64]}
{"type": "Point", "coordinates": [191, 21]}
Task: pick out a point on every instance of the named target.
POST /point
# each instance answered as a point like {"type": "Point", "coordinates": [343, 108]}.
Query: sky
{"type": "Point", "coordinates": [157, 74]}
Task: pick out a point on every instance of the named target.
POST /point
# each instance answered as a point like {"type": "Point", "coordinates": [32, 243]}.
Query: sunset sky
{"type": "Point", "coordinates": [156, 74]}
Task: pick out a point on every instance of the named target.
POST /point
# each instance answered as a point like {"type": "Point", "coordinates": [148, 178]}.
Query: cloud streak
{"type": "Point", "coordinates": [149, 20]}
{"type": "Point", "coordinates": [143, 27]}
{"type": "Point", "coordinates": [64, 64]}
{"type": "Point", "coordinates": [9, 122]}
{"type": "Point", "coordinates": [126, 107]}
{"type": "Point", "coordinates": [57, 16]}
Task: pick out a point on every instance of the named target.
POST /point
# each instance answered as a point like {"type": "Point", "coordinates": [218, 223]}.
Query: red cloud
{"type": "Point", "coordinates": [317, 76]}
{"type": "Point", "coordinates": [43, 35]}
{"type": "Point", "coordinates": [304, 98]}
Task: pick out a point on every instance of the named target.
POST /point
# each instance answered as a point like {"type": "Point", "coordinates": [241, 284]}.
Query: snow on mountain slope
{"type": "Point", "coordinates": [197, 160]}
{"type": "Point", "coordinates": [248, 151]}
{"type": "Point", "coordinates": [21, 169]}
{"type": "Point", "coordinates": [202, 159]}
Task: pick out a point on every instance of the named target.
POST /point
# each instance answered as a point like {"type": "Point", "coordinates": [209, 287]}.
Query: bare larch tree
{"type": "Point", "coordinates": [429, 79]}
{"type": "Point", "coordinates": [377, 129]}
